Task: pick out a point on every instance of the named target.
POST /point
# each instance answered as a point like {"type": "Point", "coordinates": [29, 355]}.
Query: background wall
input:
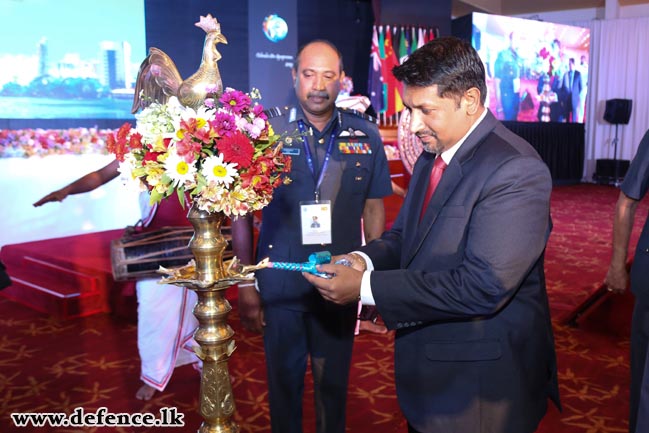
{"type": "Point", "coordinates": [346, 23]}
{"type": "Point", "coordinates": [170, 27]}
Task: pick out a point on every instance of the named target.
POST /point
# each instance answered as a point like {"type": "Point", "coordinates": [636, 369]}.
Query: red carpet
{"type": "Point", "coordinates": [52, 365]}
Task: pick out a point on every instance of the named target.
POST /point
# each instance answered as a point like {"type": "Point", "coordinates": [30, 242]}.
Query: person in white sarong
{"type": "Point", "coordinates": [164, 332]}
{"type": "Point", "coordinates": [165, 319]}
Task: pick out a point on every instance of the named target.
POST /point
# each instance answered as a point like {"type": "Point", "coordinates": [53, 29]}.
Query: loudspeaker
{"type": "Point", "coordinates": [605, 170]}
{"type": "Point", "coordinates": [618, 111]}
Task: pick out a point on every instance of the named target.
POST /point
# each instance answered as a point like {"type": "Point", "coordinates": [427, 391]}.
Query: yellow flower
{"type": "Point", "coordinates": [158, 144]}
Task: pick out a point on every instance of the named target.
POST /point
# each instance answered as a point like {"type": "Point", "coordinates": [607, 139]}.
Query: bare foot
{"type": "Point", "coordinates": [145, 392]}
{"type": "Point", "coordinates": [369, 326]}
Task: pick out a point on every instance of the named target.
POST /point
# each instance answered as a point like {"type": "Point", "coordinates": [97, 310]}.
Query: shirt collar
{"type": "Point", "coordinates": [296, 113]}
{"type": "Point", "coordinates": [448, 154]}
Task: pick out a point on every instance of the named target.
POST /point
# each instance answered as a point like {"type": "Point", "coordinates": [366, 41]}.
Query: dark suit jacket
{"type": "Point", "coordinates": [465, 290]}
{"type": "Point", "coordinates": [572, 93]}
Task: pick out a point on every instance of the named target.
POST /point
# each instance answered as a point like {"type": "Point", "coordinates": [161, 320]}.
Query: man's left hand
{"type": "Point", "coordinates": [345, 286]}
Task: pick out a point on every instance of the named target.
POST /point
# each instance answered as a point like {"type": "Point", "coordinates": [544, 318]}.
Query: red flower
{"type": "Point", "coordinates": [135, 141]}
{"type": "Point", "coordinates": [237, 148]}
{"type": "Point", "coordinates": [123, 131]}
{"type": "Point", "coordinates": [150, 156]}
{"type": "Point", "coordinates": [117, 143]}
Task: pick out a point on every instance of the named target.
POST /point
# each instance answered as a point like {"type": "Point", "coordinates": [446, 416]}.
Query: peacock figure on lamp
{"type": "Point", "coordinates": [214, 147]}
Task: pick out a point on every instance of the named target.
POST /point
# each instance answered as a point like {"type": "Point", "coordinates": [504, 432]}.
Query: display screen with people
{"type": "Point", "coordinates": [536, 71]}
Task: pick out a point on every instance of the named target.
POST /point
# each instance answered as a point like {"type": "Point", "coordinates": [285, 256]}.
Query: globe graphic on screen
{"type": "Point", "coordinates": [275, 28]}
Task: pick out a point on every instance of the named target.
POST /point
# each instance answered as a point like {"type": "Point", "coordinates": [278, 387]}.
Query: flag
{"type": "Point", "coordinates": [375, 80]}
{"type": "Point", "coordinates": [404, 45]}
{"type": "Point", "coordinates": [414, 44]}
{"type": "Point", "coordinates": [392, 96]}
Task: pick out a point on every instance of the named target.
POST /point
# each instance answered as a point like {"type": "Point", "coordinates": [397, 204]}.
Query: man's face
{"type": "Point", "coordinates": [438, 122]}
{"type": "Point", "coordinates": [317, 79]}
{"type": "Point", "coordinates": [514, 41]}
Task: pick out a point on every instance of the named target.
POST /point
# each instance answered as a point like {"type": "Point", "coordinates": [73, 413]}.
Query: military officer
{"type": "Point", "coordinates": [339, 175]}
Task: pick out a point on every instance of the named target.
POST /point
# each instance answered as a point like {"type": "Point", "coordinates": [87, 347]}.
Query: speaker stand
{"type": "Point", "coordinates": [616, 180]}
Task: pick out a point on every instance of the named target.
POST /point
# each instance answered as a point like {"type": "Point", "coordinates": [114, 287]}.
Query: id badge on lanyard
{"type": "Point", "coordinates": [315, 218]}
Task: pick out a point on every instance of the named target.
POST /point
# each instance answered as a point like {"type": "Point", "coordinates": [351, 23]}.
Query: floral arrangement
{"type": "Point", "coordinates": [224, 154]}
{"type": "Point", "coordinates": [25, 143]}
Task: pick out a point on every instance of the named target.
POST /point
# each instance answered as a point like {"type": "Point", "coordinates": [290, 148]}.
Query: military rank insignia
{"type": "Point", "coordinates": [354, 147]}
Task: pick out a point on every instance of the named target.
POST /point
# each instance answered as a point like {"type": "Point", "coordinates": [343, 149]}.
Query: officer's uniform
{"type": "Point", "coordinates": [507, 69]}
{"type": "Point", "coordinates": [299, 322]}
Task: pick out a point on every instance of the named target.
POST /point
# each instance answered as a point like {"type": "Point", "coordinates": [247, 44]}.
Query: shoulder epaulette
{"type": "Point", "coordinates": [359, 114]}
{"type": "Point", "coordinates": [276, 111]}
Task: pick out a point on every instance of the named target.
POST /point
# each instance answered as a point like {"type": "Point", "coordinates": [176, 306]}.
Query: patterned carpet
{"type": "Point", "coordinates": [56, 366]}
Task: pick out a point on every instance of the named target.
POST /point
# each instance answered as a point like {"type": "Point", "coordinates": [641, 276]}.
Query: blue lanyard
{"type": "Point", "coordinates": [309, 157]}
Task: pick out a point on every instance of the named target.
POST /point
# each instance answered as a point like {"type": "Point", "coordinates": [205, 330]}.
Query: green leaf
{"type": "Point", "coordinates": [155, 197]}
{"type": "Point", "coordinates": [170, 190]}
{"type": "Point", "coordinates": [181, 196]}
{"type": "Point", "coordinates": [201, 182]}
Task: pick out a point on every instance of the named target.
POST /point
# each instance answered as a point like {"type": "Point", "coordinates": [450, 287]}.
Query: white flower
{"type": "Point", "coordinates": [179, 170]}
{"type": "Point", "coordinates": [156, 122]}
{"type": "Point", "coordinates": [215, 170]}
{"type": "Point", "coordinates": [126, 174]}
{"type": "Point", "coordinates": [202, 115]}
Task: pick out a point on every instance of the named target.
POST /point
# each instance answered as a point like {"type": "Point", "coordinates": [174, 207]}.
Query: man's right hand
{"type": "Point", "coordinates": [617, 279]}
{"type": "Point", "coordinates": [250, 308]}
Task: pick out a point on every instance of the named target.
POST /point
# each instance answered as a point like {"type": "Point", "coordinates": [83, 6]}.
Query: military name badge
{"type": "Point", "coordinates": [315, 217]}
{"type": "Point", "coordinates": [288, 148]}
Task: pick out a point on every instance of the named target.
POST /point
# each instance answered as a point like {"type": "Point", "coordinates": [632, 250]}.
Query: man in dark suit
{"type": "Point", "coordinates": [461, 278]}
{"type": "Point", "coordinates": [339, 174]}
{"type": "Point", "coordinates": [570, 92]}
{"type": "Point", "coordinates": [633, 189]}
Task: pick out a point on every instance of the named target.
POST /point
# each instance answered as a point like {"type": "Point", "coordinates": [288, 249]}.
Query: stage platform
{"type": "Point", "coordinates": [67, 277]}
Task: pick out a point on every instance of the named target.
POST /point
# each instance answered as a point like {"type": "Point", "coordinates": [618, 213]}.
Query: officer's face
{"type": "Point", "coordinates": [438, 122]}
{"type": "Point", "coordinates": [317, 79]}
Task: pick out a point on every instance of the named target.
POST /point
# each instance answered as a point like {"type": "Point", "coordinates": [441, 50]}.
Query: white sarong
{"type": "Point", "coordinates": [164, 330]}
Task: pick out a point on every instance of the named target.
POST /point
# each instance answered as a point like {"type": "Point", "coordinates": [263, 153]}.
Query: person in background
{"type": "Point", "coordinates": [165, 320]}
{"type": "Point", "coordinates": [460, 276]}
{"type": "Point", "coordinates": [583, 71]}
{"type": "Point", "coordinates": [507, 72]}
{"type": "Point", "coordinates": [570, 92]}
{"type": "Point", "coordinates": [340, 173]}
{"type": "Point", "coordinates": [633, 189]}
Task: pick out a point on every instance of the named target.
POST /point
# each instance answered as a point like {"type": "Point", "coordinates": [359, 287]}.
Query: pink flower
{"type": "Point", "coordinates": [188, 149]}
{"type": "Point", "coordinates": [224, 124]}
{"type": "Point", "coordinates": [258, 111]}
{"type": "Point", "coordinates": [236, 101]}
